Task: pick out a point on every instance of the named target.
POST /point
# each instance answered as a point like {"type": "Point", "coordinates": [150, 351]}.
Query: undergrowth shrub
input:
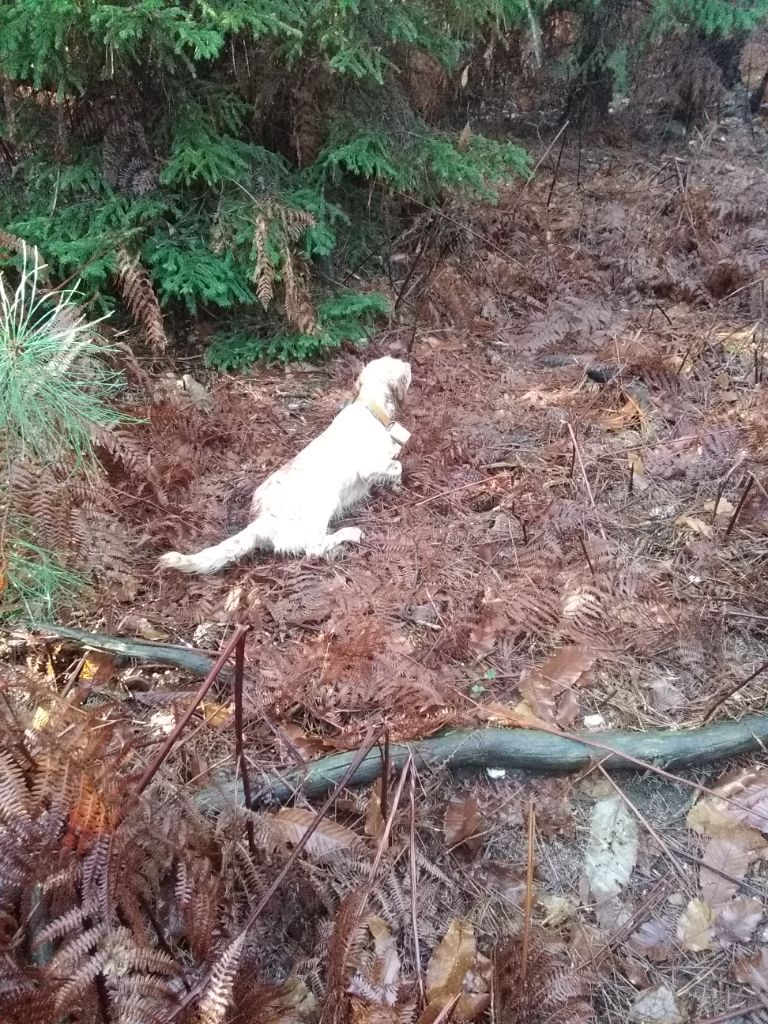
{"type": "Point", "coordinates": [55, 396]}
{"type": "Point", "coordinates": [341, 318]}
{"type": "Point", "coordinates": [616, 37]}
{"type": "Point", "coordinates": [223, 149]}
{"type": "Point", "coordinates": [209, 158]}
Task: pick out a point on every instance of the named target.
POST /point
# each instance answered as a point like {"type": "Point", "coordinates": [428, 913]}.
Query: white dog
{"type": "Point", "coordinates": [295, 505]}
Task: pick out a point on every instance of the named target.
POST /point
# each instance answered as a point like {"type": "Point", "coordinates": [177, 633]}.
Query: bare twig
{"type": "Point", "coordinates": [733, 690]}
{"type": "Point", "coordinates": [361, 754]}
{"type": "Point", "coordinates": [151, 770]}
{"type": "Point", "coordinates": [736, 1011]}
{"type": "Point", "coordinates": [739, 506]}
{"type": "Point", "coordinates": [414, 915]}
{"type": "Point", "coordinates": [529, 888]}
{"type": "Point", "coordinates": [585, 477]}
{"type": "Point", "coordinates": [239, 752]}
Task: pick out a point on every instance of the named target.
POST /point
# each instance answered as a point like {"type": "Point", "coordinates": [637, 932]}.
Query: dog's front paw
{"type": "Point", "coordinates": [395, 474]}
{"type": "Point", "coordinates": [353, 535]}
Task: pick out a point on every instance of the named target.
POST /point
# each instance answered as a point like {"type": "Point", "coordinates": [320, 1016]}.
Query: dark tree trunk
{"type": "Point", "coordinates": [725, 52]}
{"type": "Point", "coordinates": [592, 90]}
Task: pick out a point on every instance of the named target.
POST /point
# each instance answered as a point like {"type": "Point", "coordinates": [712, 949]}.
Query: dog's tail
{"type": "Point", "coordinates": [217, 557]}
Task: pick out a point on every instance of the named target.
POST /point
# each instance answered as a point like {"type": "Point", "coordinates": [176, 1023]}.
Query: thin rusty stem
{"type": "Point", "coordinates": [414, 915]}
{"type": "Point", "coordinates": [390, 820]}
{"type": "Point", "coordinates": [732, 691]}
{"type": "Point", "coordinates": [151, 770]}
{"type": "Point", "coordinates": [732, 1014]}
{"type": "Point", "coordinates": [529, 888]}
{"type": "Point", "coordinates": [585, 552]}
{"type": "Point", "coordinates": [385, 768]}
{"type": "Point", "coordinates": [585, 478]}
{"type": "Point", "coordinates": [721, 488]}
{"type": "Point", "coordinates": [739, 506]}
{"type": "Point", "coordinates": [362, 753]}
{"type": "Point", "coordinates": [239, 747]}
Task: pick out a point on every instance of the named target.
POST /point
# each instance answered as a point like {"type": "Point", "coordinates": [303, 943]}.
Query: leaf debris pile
{"type": "Point", "coordinates": [580, 540]}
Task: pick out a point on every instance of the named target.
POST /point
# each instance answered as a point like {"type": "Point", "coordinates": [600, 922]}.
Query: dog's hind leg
{"type": "Point", "coordinates": [347, 535]}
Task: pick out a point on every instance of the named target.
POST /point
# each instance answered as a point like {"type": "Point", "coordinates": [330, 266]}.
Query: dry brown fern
{"type": "Point", "coordinates": [13, 243]}
{"type": "Point", "coordinates": [263, 271]}
{"type": "Point", "coordinates": [137, 292]}
{"type": "Point", "coordinates": [299, 311]}
{"type": "Point", "coordinates": [216, 998]}
{"type": "Point", "coordinates": [569, 316]}
{"type": "Point", "coordinates": [128, 164]}
{"type": "Point", "coordinates": [286, 225]}
{"type": "Point", "coordinates": [344, 950]}
{"type": "Point", "coordinates": [546, 988]}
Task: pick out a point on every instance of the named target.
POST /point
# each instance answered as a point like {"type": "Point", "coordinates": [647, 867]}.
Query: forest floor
{"type": "Point", "coordinates": [585, 476]}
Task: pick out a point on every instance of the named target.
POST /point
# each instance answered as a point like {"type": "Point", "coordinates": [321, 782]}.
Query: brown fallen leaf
{"type": "Point", "coordinates": [506, 881]}
{"type": "Point", "coordinates": [629, 414]}
{"type": "Point", "coordinates": [232, 599]}
{"type": "Point", "coordinates": [519, 717]}
{"type": "Point", "coordinates": [753, 970]}
{"type": "Point", "coordinates": [536, 399]}
{"type": "Point", "coordinates": [731, 856]}
{"type": "Point", "coordinates": [98, 668]}
{"type": "Point", "coordinates": [665, 695]}
{"type": "Point", "coordinates": [492, 622]}
{"type": "Point", "coordinates": [588, 944]}
{"type": "Point", "coordinates": [462, 823]}
{"type": "Point", "coordinates": [654, 940]}
{"type": "Point", "coordinates": [724, 507]}
{"type": "Point", "coordinates": [450, 975]}
{"type": "Point", "coordinates": [696, 925]}
{"type": "Point", "coordinates": [708, 818]}
{"type": "Point", "coordinates": [559, 910]}
{"type": "Point", "coordinates": [640, 481]}
{"type": "Point", "coordinates": [568, 708]}
{"type": "Point", "coordinates": [554, 810]}
{"type": "Point", "coordinates": [305, 745]}
{"type": "Point", "coordinates": [142, 627]}
{"type": "Point", "coordinates": [747, 793]}
{"type": "Point", "coordinates": [374, 819]}
{"type": "Point", "coordinates": [635, 973]}
{"type": "Point", "coordinates": [738, 919]}
{"type": "Point", "coordinates": [215, 714]}
{"type": "Point", "coordinates": [327, 839]}
{"type": "Point", "coordinates": [695, 525]}
{"type": "Point", "coordinates": [542, 685]}
{"type": "Point", "coordinates": [385, 969]}
{"type": "Point", "coordinates": [454, 956]}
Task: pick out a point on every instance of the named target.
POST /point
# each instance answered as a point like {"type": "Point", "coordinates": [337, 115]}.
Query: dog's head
{"type": "Point", "coordinates": [385, 375]}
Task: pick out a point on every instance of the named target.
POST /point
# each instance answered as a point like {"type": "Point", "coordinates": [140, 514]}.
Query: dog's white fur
{"type": "Point", "coordinates": [295, 505]}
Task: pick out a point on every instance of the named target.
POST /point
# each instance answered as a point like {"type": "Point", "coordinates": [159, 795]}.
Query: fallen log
{"type": "Point", "coordinates": [530, 749]}
{"type": "Point", "coordinates": [141, 650]}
